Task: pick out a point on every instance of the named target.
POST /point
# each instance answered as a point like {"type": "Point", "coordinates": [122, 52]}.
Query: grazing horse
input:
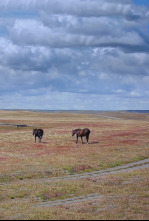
{"type": "Point", "coordinates": [38, 133]}
{"type": "Point", "coordinates": [81, 133]}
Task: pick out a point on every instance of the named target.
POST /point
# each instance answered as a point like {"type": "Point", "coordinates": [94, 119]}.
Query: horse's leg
{"type": "Point", "coordinates": [35, 139]}
{"type": "Point", "coordinates": [39, 138]}
{"type": "Point", "coordinates": [87, 138]}
{"type": "Point", "coordinates": [82, 139]}
{"type": "Point", "coordinates": [77, 139]}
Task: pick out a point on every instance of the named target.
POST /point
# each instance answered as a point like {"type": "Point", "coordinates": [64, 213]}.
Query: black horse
{"type": "Point", "coordinates": [81, 133]}
{"type": "Point", "coordinates": [38, 133]}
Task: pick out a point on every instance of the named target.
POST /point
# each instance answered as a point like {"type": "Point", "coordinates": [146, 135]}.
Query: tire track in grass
{"type": "Point", "coordinates": [68, 201]}
{"type": "Point", "coordinates": [143, 164]}
{"type": "Point", "coordinates": [127, 168]}
{"type": "Point", "coordinates": [120, 169]}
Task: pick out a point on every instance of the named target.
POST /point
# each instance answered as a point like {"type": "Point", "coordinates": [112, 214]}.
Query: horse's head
{"type": "Point", "coordinates": [34, 131]}
{"type": "Point", "coordinates": [73, 132]}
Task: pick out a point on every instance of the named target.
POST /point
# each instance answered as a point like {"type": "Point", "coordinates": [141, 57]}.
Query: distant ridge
{"type": "Point", "coordinates": [138, 111]}
{"type": "Point", "coordinates": [76, 111]}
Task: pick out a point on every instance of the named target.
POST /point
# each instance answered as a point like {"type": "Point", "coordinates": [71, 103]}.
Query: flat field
{"type": "Point", "coordinates": [28, 170]}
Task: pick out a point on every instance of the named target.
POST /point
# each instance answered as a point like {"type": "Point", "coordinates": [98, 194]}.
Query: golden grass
{"type": "Point", "coordinates": [123, 197]}
{"type": "Point", "coordinates": [112, 143]}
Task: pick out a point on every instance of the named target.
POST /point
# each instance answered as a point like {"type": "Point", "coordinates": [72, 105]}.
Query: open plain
{"type": "Point", "coordinates": [59, 179]}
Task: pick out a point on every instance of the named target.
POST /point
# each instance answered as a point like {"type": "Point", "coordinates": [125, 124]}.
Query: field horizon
{"type": "Point", "coordinates": [69, 110]}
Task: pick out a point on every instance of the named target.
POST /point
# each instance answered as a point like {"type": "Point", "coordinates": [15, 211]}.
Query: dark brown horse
{"type": "Point", "coordinates": [38, 133]}
{"type": "Point", "coordinates": [81, 133]}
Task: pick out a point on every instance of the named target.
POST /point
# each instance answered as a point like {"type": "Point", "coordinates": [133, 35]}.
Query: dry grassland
{"type": "Point", "coordinates": [112, 143]}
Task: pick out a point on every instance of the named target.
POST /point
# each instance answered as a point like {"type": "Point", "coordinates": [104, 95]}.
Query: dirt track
{"type": "Point", "coordinates": [127, 168]}
{"type": "Point", "coordinates": [120, 169]}
{"type": "Point", "coordinates": [68, 201]}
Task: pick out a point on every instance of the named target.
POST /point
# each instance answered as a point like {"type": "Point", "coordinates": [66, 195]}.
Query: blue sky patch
{"type": "Point", "coordinates": [141, 2]}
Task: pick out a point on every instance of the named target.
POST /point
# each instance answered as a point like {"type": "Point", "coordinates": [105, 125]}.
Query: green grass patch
{"type": "Point", "coordinates": [115, 164]}
{"type": "Point", "coordinates": [138, 158]}
{"type": "Point", "coordinates": [111, 164]}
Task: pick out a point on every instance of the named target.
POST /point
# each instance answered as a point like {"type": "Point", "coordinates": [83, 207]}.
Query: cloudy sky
{"type": "Point", "coordinates": [74, 54]}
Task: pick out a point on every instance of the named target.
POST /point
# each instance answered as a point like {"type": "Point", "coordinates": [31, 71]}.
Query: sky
{"type": "Point", "coordinates": [74, 54]}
